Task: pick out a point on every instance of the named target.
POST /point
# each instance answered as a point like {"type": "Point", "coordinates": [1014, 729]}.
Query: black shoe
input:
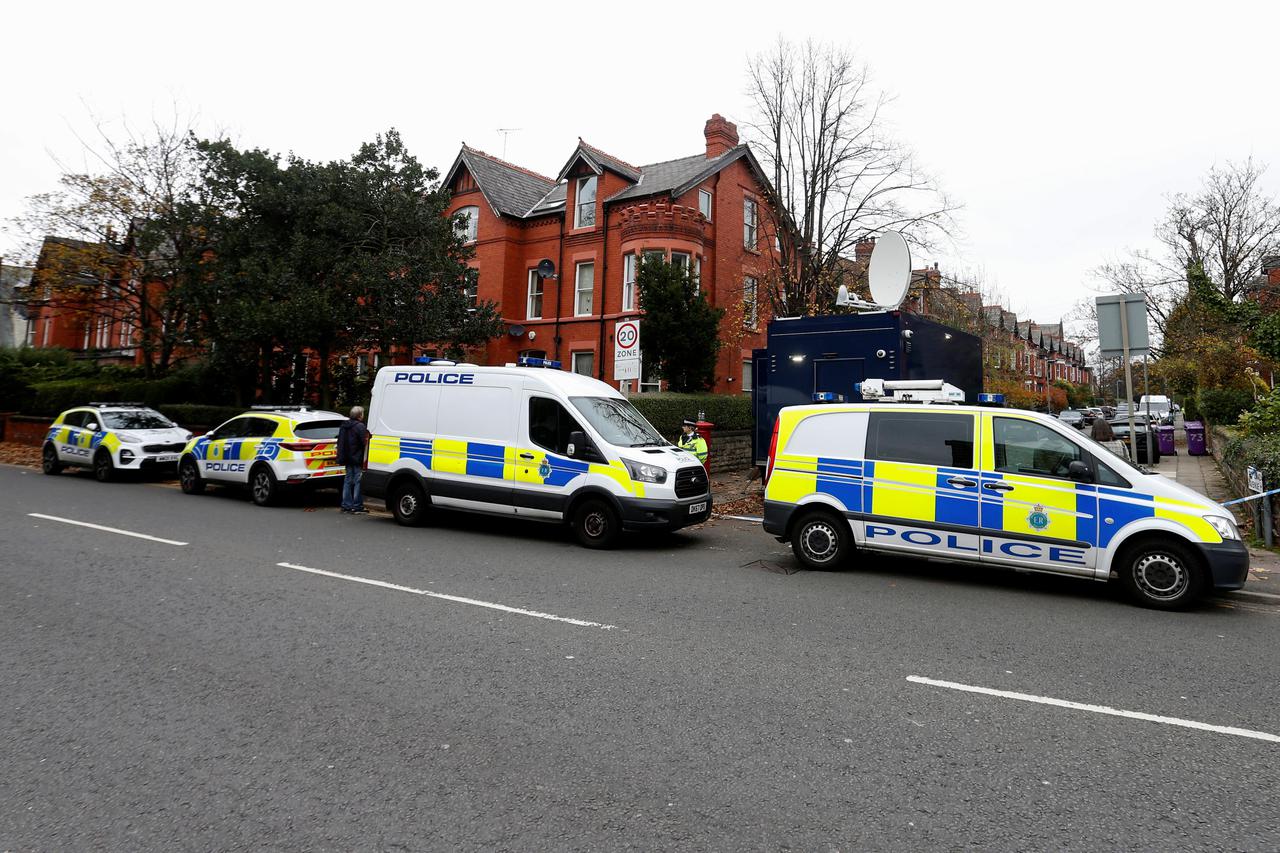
{"type": "Point", "coordinates": [359, 511]}
{"type": "Point", "coordinates": [344, 509]}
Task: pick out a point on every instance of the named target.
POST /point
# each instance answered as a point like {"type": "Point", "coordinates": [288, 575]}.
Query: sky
{"type": "Point", "coordinates": [1060, 128]}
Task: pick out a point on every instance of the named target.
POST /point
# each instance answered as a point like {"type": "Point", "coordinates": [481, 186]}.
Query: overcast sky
{"type": "Point", "coordinates": [1059, 127]}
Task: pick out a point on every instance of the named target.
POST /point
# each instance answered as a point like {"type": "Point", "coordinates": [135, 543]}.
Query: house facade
{"type": "Point", "coordinates": [596, 221]}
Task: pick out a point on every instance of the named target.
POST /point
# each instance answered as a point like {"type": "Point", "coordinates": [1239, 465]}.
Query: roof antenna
{"type": "Point", "coordinates": [506, 132]}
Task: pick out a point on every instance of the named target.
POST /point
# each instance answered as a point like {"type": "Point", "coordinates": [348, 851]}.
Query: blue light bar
{"type": "Point", "coordinates": [827, 397]}
{"type": "Point", "coordinates": [423, 359]}
{"type": "Point", "coordinates": [530, 361]}
{"type": "Point", "coordinates": [990, 399]}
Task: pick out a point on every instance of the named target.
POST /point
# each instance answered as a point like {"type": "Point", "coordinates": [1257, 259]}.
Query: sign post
{"type": "Point", "coordinates": [1122, 331]}
{"type": "Point", "coordinates": [1262, 514]}
{"type": "Point", "coordinates": [626, 350]}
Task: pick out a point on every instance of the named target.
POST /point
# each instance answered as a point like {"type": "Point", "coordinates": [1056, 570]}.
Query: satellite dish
{"type": "Point", "coordinates": [546, 268]}
{"type": "Point", "coordinates": [890, 270]}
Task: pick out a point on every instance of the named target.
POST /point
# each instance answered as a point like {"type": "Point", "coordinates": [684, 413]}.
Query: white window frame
{"type": "Point", "coordinates": [750, 223]}
{"type": "Point", "coordinates": [471, 290]}
{"type": "Point", "coordinates": [748, 375]}
{"type": "Point", "coordinates": [573, 361]}
{"type": "Point", "coordinates": [697, 274]}
{"type": "Point", "coordinates": [471, 230]}
{"type": "Point", "coordinates": [686, 262]}
{"type": "Point", "coordinates": [579, 292]}
{"type": "Point", "coordinates": [629, 265]}
{"type": "Point", "coordinates": [750, 302]}
{"type": "Point", "coordinates": [705, 203]}
{"type": "Point", "coordinates": [537, 281]}
{"type": "Point", "coordinates": [649, 384]}
{"type": "Point", "coordinates": [579, 221]}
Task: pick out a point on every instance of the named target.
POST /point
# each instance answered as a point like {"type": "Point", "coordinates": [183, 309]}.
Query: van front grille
{"type": "Point", "coordinates": [691, 482]}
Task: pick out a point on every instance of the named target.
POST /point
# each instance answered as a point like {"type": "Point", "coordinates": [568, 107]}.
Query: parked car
{"type": "Point", "coordinates": [1146, 434]}
{"type": "Point", "coordinates": [112, 437]}
{"type": "Point", "coordinates": [1072, 417]}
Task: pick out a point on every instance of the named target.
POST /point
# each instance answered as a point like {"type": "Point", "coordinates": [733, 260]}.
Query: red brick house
{"type": "Point", "coordinates": [596, 221]}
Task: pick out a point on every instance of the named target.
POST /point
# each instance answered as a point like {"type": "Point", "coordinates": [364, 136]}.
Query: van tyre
{"type": "Point", "coordinates": [49, 460]}
{"type": "Point", "coordinates": [408, 503]}
{"type": "Point", "coordinates": [263, 486]}
{"type": "Point", "coordinates": [1162, 575]}
{"type": "Point", "coordinates": [189, 477]}
{"type": "Point", "coordinates": [104, 470]}
{"type": "Point", "coordinates": [821, 540]}
{"type": "Point", "coordinates": [596, 524]}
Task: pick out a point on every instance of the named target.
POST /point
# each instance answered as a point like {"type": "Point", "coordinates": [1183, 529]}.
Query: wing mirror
{"type": "Point", "coordinates": [1079, 471]}
{"type": "Point", "coordinates": [91, 426]}
{"type": "Point", "coordinates": [577, 442]}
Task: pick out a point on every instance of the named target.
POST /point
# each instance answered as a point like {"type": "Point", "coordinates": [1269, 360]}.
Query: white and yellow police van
{"type": "Point", "coordinates": [266, 449]}
{"type": "Point", "coordinates": [526, 440]}
{"type": "Point", "coordinates": [991, 486]}
{"type": "Point", "coordinates": [111, 437]}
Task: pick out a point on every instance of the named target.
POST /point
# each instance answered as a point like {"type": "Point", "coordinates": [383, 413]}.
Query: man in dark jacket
{"type": "Point", "coordinates": [352, 437]}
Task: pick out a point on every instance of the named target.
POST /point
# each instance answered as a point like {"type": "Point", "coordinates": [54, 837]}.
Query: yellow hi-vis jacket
{"type": "Point", "coordinates": [695, 444]}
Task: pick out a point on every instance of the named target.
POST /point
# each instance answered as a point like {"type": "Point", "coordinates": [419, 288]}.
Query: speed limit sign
{"type": "Point", "coordinates": [626, 349]}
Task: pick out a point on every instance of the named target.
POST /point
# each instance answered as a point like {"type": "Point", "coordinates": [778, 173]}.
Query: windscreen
{"type": "Point", "coordinates": [136, 419]}
{"type": "Point", "coordinates": [317, 430]}
{"type": "Point", "coordinates": [618, 422]}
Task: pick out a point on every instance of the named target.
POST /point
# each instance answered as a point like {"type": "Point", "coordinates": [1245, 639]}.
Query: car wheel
{"type": "Point", "coordinates": [189, 477]}
{"type": "Point", "coordinates": [596, 524]}
{"type": "Point", "coordinates": [103, 468]}
{"type": "Point", "coordinates": [1164, 576]}
{"type": "Point", "coordinates": [49, 460]}
{"type": "Point", "coordinates": [409, 504]}
{"type": "Point", "coordinates": [820, 540]}
{"type": "Point", "coordinates": [263, 486]}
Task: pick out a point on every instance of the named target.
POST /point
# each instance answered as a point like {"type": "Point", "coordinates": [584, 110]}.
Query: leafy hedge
{"type": "Point", "coordinates": [1221, 406]}
{"type": "Point", "coordinates": [198, 414]}
{"type": "Point", "coordinates": [666, 411]}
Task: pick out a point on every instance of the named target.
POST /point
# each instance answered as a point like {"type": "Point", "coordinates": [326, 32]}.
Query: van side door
{"type": "Point", "coordinates": [544, 471]}
{"type": "Point", "coordinates": [1033, 513]}
{"type": "Point", "coordinates": [475, 437]}
{"type": "Point", "coordinates": [921, 470]}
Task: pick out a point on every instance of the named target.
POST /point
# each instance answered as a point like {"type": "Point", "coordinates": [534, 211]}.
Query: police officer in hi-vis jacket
{"type": "Point", "coordinates": [692, 442]}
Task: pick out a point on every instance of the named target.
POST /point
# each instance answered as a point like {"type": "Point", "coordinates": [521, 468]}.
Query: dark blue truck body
{"type": "Point", "coordinates": [804, 355]}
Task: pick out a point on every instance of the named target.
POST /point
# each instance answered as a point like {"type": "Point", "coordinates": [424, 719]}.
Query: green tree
{"type": "Point", "coordinates": [681, 329]}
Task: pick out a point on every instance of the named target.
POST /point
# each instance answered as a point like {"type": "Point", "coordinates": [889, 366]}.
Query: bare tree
{"type": "Point", "coordinates": [123, 241]}
{"type": "Point", "coordinates": [837, 176]}
{"type": "Point", "coordinates": [1226, 229]}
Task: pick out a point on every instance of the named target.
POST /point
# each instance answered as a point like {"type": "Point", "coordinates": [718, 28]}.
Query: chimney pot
{"type": "Point", "coordinates": [721, 135]}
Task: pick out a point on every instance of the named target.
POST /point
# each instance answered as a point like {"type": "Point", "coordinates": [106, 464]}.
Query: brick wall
{"type": "Point", "coordinates": [24, 429]}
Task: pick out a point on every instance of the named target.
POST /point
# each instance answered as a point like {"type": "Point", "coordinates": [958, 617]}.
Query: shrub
{"type": "Point", "coordinates": [1223, 406]}
{"type": "Point", "coordinates": [1264, 417]}
{"type": "Point", "coordinates": [197, 415]}
{"type": "Point", "coordinates": [666, 411]}
{"type": "Point", "coordinates": [1263, 451]}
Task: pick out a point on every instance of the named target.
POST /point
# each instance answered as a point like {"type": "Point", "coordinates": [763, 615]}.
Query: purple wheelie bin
{"type": "Point", "coordinates": [1195, 438]}
{"type": "Point", "coordinates": [1164, 437]}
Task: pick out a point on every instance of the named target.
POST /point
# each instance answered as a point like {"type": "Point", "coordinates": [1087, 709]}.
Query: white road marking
{"type": "Point", "coordinates": [757, 519]}
{"type": "Point", "coordinates": [105, 529]}
{"type": "Point", "coordinates": [454, 598]}
{"type": "Point", "coordinates": [1098, 709]}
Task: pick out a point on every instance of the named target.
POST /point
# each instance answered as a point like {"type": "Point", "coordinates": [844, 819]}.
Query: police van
{"type": "Point", "coordinates": [526, 440]}
{"type": "Point", "coordinates": [112, 437]}
{"type": "Point", "coordinates": [991, 486]}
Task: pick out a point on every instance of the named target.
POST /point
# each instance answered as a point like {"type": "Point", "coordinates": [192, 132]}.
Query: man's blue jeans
{"type": "Point", "coordinates": [351, 497]}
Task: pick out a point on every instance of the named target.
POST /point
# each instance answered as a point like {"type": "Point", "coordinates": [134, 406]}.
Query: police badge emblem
{"type": "Point", "coordinates": [1038, 519]}
{"type": "Point", "coordinates": [544, 470]}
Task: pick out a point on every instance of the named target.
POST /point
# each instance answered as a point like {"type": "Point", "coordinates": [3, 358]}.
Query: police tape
{"type": "Point", "coordinates": [1251, 497]}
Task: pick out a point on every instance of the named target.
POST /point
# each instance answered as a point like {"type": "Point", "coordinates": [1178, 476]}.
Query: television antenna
{"type": "Point", "coordinates": [506, 132]}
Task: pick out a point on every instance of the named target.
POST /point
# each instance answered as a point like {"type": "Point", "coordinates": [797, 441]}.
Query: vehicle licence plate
{"type": "Point", "coordinates": [694, 509]}
{"type": "Point", "coordinates": [168, 457]}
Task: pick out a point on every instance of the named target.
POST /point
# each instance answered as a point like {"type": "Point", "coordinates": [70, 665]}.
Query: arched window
{"type": "Point", "coordinates": [470, 224]}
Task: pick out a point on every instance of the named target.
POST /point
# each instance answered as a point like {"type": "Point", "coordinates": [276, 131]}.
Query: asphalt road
{"type": "Point", "coordinates": [201, 696]}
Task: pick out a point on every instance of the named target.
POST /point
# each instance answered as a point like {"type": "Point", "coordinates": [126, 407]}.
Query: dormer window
{"type": "Point", "coordinates": [584, 215]}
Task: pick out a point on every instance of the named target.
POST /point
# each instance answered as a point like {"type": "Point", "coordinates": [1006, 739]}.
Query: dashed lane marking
{"type": "Point", "coordinates": [457, 599]}
{"type": "Point", "coordinates": [1098, 709]}
{"type": "Point", "coordinates": [105, 529]}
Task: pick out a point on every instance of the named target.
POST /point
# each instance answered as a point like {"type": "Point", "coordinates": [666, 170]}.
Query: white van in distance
{"type": "Point", "coordinates": [527, 440]}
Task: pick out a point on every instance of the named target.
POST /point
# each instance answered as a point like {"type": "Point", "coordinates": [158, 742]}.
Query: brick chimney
{"type": "Point", "coordinates": [721, 135]}
{"type": "Point", "coordinates": [863, 248]}
{"type": "Point", "coordinates": [1271, 269]}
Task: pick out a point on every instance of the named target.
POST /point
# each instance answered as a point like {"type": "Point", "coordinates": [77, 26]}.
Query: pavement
{"type": "Point", "coordinates": [293, 678]}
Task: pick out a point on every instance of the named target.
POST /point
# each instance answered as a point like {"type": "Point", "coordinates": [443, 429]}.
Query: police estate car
{"type": "Point", "coordinates": [991, 486]}
{"type": "Point", "coordinates": [111, 437]}
{"type": "Point", "coordinates": [265, 449]}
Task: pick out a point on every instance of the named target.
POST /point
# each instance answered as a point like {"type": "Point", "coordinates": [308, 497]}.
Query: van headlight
{"type": "Point", "coordinates": [645, 472]}
{"type": "Point", "coordinates": [1226, 527]}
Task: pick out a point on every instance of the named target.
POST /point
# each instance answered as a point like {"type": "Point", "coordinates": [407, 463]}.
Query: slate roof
{"type": "Point", "coordinates": [598, 161]}
{"type": "Point", "coordinates": [678, 176]}
{"type": "Point", "coordinates": [510, 189]}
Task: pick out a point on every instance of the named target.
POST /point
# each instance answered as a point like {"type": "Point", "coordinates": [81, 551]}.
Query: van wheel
{"type": "Point", "coordinates": [189, 477]}
{"type": "Point", "coordinates": [263, 485]}
{"type": "Point", "coordinates": [409, 504]}
{"type": "Point", "coordinates": [1164, 576]}
{"type": "Point", "coordinates": [596, 524]}
{"type": "Point", "coordinates": [49, 460]}
{"type": "Point", "coordinates": [103, 469]}
{"type": "Point", "coordinates": [820, 540]}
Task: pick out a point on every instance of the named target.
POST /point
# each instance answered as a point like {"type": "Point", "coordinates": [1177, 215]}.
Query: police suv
{"type": "Point", "coordinates": [111, 437]}
{"type": "Point", "coordinates": [526, 440]}
{"type": "Point", "coordinates": [991, 486]}
{"type": "Point", "coordinates": [266, 449]}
